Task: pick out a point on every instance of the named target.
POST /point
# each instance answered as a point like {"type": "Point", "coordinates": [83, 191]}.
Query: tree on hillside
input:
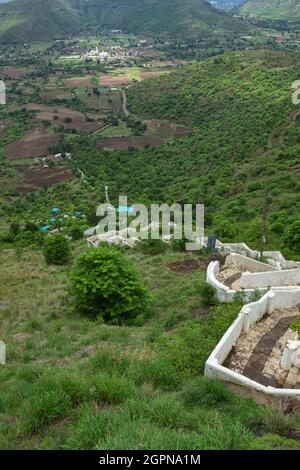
{"type": "Point", "coordinates": [106, 285]}
{"type": "Point", "coordinates": [56, 249]}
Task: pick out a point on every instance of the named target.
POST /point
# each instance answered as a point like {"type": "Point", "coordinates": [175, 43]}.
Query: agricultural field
{"type": "Point", "coordinates": [34, 144]}
{"type": "Point", "coordinates": [35, 178]}
{"type": "Point", "coordinates": [157, 133]}
{"type": "Point", "coordinates": [61, 116]}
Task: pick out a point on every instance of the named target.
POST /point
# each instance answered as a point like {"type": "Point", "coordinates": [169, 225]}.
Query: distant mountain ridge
{"type": "Point", "coordinates": [33, 20]}
{"type": "Point", "coordinates": [274, 9]}
{"type": "Point", "coordinates": [225, 4]}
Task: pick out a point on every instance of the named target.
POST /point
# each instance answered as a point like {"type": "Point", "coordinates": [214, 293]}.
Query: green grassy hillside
{"type": "Point", "coordinates": [274, 9]}
{"type": "Point", "coordinates": [245, 139]}
{"type": "Point", "coordinates": [34, 20]}
{"type": "Point", "coordinates": [191, 17]}
{"type": "Point", "coordinates": [30, 20]}
{"type": "Point", "coordinates": [72, 383]}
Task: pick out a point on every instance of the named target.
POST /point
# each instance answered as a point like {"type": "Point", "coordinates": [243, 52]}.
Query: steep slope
{"type": "Point", "coordinates": [187, 17]}
{"type": "Point", "coordinates": [25, 20]}
{"type": "Point", "coordinates": [34, 20]}
{"type": "Point", "coordinates": [274, 9]}
{"type": "Point", "coordinates": [246, 138]}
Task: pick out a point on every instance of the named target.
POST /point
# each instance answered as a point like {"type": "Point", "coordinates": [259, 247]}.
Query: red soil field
{"type": "Point", "coordinates": [13, 72]}
{"type": "Point", "coordinates": [79, 121]}
{"type": "Point", "coordinates": [79, 83]}
{"type": "Point", "coordinates": [34, 178]}
{"type": "Point", "coordinates": [34, 144]}
{"type": "Point", "coordinates": [123, 143]}
{"type": "Point", "coordinates": [182, 131]}
{"type": "Point", "coordinates": [113, 81]}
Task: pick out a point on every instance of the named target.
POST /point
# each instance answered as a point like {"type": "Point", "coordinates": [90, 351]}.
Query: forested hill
{"type": "Point", "coordinates": [274, 9]}
{"type": "Point", "coordinates": [246, 140]}
{"type": "Point", "coordinates": [30, 20]}
{"type": "Point", "coordinates": [36, 20]}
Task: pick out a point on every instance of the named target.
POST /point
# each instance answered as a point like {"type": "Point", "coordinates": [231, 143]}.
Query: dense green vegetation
{"type": "Point", "coordinates": [106, 286]}
{"type": "Point", "coordinates": [245, 140]}
{"type": "Point", "coordinates": [34, 20]}
{"type": "Point", "coordinates": [275, 9]}
{"type": "Point", "coordinates": [27, 20]}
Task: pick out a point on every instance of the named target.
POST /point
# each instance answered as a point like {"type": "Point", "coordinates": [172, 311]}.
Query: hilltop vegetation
{"type": "Point", "coordinates": [274, 9]}
{"type": "Point", "coordinates": [33, 20]}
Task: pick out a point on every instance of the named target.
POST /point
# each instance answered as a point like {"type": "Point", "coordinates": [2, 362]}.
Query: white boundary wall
{"type": "Point", "coordinates": [287, 277]}
{"type": "Point", "coordinates": [251, 313]}
{"type": "Point", "coordinates": [244, 263]}
{"type": "Point", "coordinates": [224, 293]}
{"type": "Point", "coordinates": [274, 258]}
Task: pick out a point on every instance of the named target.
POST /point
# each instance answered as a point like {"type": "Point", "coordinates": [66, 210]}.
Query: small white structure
{"type": "Point", "coordinates": [291, 355]}
{"type": "Point", "coordinates": [103, 56]}
{"type": "Point", "coordinates": [2, 353]}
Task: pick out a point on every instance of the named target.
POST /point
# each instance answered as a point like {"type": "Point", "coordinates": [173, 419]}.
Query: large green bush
{"type": "Point", "coordinates": [56, 249]}
{"type": "Point", "coordinates": [106, 285]}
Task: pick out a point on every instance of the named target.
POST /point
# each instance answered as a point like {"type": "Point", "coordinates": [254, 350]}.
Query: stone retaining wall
{"type": "Point", "coordinates": [225, 293]}
{"type": "Point", "coordinates": [287, 277]}
{"type": "Point", "coordinates": [251, 313]}
{"type": "Point", "coordinates": [247, 264]}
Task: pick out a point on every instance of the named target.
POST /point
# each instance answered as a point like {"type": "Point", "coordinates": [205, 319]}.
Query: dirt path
{"type": "Point", "coordinates": [124, 104]}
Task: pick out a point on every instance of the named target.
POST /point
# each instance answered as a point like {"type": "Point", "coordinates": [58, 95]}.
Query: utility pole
{"type": "Point", "coordinates": [264, 223]}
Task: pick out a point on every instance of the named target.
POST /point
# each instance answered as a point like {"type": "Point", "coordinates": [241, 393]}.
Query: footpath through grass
{"type": "Point", "coordinates": [71, 383]}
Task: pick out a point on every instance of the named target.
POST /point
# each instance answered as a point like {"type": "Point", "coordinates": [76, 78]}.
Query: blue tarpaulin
{"type": "Point", "coordinates": [45, 227]}
{"type": "Point", "coordinates": [55, 210]}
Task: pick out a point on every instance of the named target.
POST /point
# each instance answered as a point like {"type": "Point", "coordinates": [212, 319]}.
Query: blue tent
{"type": "Point", "coordinates": [45, 227]}
{"type": "Point", "coordinates": [55, 210]}
{"type": "Point", "coordinates": [77, 213]}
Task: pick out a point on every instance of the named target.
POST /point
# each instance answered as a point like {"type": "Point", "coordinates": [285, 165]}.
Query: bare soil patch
{"type": "Point", "coordinates": [33, 144]}
{"type": "Point", "coordinates": [79, 83]}
{"type": "Point", "coordinates": [33, 178]}
{"type": "Point", "coordinates": [58, 115]}
{"type": "Point", "coordinates": [185, 266]}
{"type": "Point", "coordinates": [14, 72]}
{"type": "Point", "coordinates": [124, 143]}
{"type": "Point", "coordinates": [113, 81]}
{"type": "Point", "coordinates": [56, 94]}
{"type": "Point", "coordinates": [181, 131]}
